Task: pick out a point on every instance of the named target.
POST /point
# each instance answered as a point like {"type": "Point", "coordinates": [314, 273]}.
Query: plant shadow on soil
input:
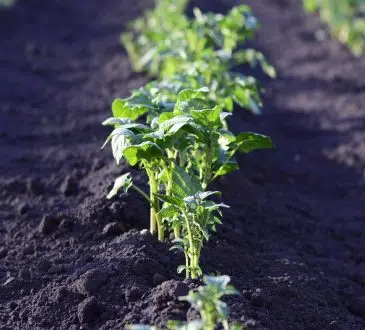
{"type": "Point", "coordinates": [293, 240]}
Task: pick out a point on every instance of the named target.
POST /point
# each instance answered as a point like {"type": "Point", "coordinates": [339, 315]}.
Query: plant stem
{"type": "Point", "coordinates": [208, 164]}
{"type": "Point", "coordinates": [141, 192]}
{"type": "Point", "coordinates": [155, 207]}
{"type": "Point", "coordinates": [187, 265]}
{"type": "Point", "coordinates": [191, 247]}
{"type": "Point", "coordinates": [177, 231]}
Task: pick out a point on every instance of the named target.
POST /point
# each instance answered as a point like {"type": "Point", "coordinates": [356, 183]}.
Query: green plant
{"type": "Point", "coordinates": [345, 18]}
{"type": "Point", "coordinates": [207, 301]}
{"type": "Point", "coordinates": [185, 146]}
{"type": "Point", "coordinates": [174, 129]}
{"type": "Point", "coordinates": [195, 217]}
{"type": "Point", "coordinates": [204, 48]}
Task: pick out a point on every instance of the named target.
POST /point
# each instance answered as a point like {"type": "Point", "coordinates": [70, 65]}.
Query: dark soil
{"type": "Point", "coordinates": [294, 239]}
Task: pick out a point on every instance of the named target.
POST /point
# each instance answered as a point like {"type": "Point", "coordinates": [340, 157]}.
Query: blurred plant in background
{"type": "Point", "coordinates": [346, 19]}
{"type": "Point", "coordinates": [6, 3]}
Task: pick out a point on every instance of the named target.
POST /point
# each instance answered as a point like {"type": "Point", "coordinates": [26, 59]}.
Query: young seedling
{"type": "Point", "coordinates": [207, 301]}
{"type": "Point", "coordinates": [196, 218]}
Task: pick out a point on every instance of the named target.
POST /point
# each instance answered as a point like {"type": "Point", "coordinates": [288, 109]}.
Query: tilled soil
{"type": "Point", "coordinates": [293, 241]}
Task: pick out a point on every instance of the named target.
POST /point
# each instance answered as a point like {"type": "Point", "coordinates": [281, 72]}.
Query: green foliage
{"type": "Point", "coordinates": [207, 301]}
{"type": "Point", "coordinates": [175, 128]}
{"type": "Point", "coordinates": [345, 18]}
{"type": "Point", "coordinates": [195, 217]}
{"type": "Point", "coordinates": [204, 48]}
{"type": "Point", "coordinates": [183, 148]}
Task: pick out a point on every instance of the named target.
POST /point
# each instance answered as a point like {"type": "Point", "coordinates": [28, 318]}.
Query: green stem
{"type": "Point", "coordinates": [155, 220]}
{"type": "Point", "coordinates": [208, 164]}
{"type": "Point", "coordinates": [208, 319]}
{"type": "Point", "coordinates": [141, 192]}
{"type": "Point", "coordinates": [169, 172]}
{"type": "Point", "coordinates": [177, 231]}
{"type": "Point", "coordinates": [187, 266]}
{"type": "Point", "coordinates": [191, 248]}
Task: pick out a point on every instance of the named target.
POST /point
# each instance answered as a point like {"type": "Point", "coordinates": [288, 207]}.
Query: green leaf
{"type": "Point", "coordinates": [247, 142]}
{"type": "Point", "coordinates": [190, 99]}
{"type": "Point", "coordinates": [165, 116]}
{"type": "Point", "coordinates": [133, 107]}
{"type": "Point", "coordinates": [144, 151]}
{"type": "Point", "coordinates": [116, 121]}
{"type": "Point", "coordinates": [218, 281]}
{"type": "Point", "coordinates": [214, 207]}
{"type": "Point", "coordinates": [205, 194]}
{"type": "Point", "coordinates": [208, 117]}
{"type": "Point", "coordinates": [173, 125]}
{"type": "Point", "coordinates": [184, 184]}
{"type": "Point", "coordinates": [226, 168]}
{"type": "Point", "coordinates": [121, 138]}
{"type": "Point", "coordinates": [124, 181]}
{"type": "Point", "coordinates": [171, 200]}
{"type": "Point", "coordinates": [168, 211]}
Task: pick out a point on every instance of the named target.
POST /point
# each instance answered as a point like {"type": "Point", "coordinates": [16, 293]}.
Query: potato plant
{"type": "Point", "coordinates": [195, 217]}
{"type": "Point", "coordinates": [207, 301]}
{"type": "Point", "coordinates": [205, 49]}
{"type": "Point", "coordinates": [175, 129]}
{"type": "Point", "coordinates": [345, 18]}
{"type": "Point", "coordinates": [182, 150]}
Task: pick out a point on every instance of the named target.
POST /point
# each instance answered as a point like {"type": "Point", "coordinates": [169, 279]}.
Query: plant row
{"type": "Point", "coordinates": [345, 18]}
{"type": "Point", "coordinates": [175, 128]}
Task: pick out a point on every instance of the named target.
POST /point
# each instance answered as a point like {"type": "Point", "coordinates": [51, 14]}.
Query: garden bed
{"type": "Point", "coordinates": [293, 240]}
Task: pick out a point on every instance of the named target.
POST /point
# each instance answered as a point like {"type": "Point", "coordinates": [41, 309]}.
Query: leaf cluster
{"type": "Point", "coordinates": [205, 48]}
